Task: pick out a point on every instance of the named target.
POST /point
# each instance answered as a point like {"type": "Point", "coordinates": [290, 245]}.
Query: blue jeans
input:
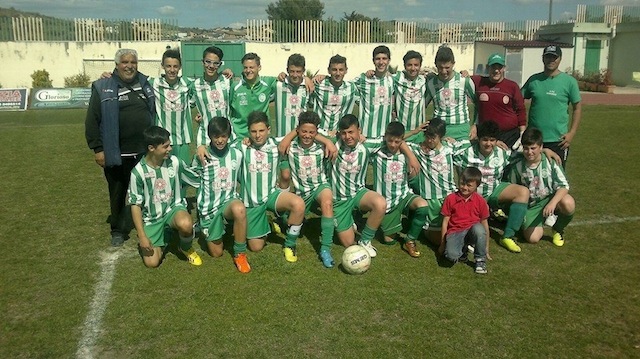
{"type": "Point", "coordinates": [475, 235]}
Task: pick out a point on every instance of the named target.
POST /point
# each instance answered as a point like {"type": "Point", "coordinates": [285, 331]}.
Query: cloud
{"type": "Point", "coordinates": [167, 10]}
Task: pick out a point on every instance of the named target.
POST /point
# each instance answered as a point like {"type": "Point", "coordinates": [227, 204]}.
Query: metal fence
{"type": "Point", "coordinates": [388, 31]}
{"type": "Point", "coordinates": [607, 14]}
{"type": "Point", "coordinates": [52, 29]}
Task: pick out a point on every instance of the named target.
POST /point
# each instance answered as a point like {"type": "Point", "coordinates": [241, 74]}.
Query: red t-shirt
{"type": "Point", "coordinates": [464, 213]}
{"type": "Point", "coordinates": [501, 103]}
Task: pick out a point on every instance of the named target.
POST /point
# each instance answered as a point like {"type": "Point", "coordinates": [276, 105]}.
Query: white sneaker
{"type": "Point", "coordinates": [370, 248]}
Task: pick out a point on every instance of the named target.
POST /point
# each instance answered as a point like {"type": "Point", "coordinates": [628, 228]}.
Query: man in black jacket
{"type": "Point", "coordinates": [120, 109]}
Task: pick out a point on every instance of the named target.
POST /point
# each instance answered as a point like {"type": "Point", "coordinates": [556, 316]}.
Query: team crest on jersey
{"type": "Point", "coordinates": [483, 97]}
{"type": "Point", "coordinates": [544, 173]}
{"type": "Point", "coordinates": [496, 162]}
{"type": "Point", "coordinates": [234, 164]}
{"type": "Point", "coordinates": [262, 97]}
{"type": "Point", "coordinates": [505, 99]}
{"type": "Point", "coordinates": [171, 172]}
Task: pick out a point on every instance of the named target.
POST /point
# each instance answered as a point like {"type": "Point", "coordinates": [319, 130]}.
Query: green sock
{"type": "Point", "coordinates": [239, 248]}
{"type": "Point", "coordinates": [517, 211]}
{"type": "Point", "coordinates": [562, 222]}
{"type": "Point", "coordinates": [367, 234]}
{"type": "Point", "coordinates": [326, 233]}
{"type": "Point", "coordinates": [419, 217]}
{"type": "Point", "coordinates": [292, 235]}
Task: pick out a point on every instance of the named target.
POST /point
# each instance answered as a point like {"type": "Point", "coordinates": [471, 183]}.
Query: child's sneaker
{"type": "Point", "coordinates": [327, 259]}
{"type": "Point", "coordinates": [192, 256]}
{"type": "Point", "coordinates": [557, 239]}
{"type": "Point", "coordinates": [290, 254]}
{"type": "Point", "coordinates": [510, 244]}
{"type": "Point", "coordinates": [370, 248]}
{"type": "Point", "coordinates": [481, 267]}
{"type": "Point", "coordinates": [410, 247]}
{"type": "Point", "coordinates": [241, 263]}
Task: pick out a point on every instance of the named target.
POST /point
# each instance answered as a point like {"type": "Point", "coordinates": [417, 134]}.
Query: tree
{"type": "Point", "coordinates": [356, 16]}
{"type": "Point", "coordinates": [295, 10]}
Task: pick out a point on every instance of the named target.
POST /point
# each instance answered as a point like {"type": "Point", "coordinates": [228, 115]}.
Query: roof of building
{"type": "Point", "coordinates": [526, 43]}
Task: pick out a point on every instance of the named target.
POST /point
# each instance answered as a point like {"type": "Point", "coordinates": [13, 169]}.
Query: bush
{"type": "Point", "coordinates": [41, 79]}
{"type": "Point", "coordinates": [79, 80]}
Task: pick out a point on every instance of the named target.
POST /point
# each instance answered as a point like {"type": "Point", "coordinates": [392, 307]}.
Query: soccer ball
{"type": "Point", "coordinates": [356, 259]}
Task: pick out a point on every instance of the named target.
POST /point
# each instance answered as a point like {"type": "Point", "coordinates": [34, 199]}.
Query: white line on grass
{"type": "Point", "coordinates": [604, 220]}
{"type": "Point", "coordinates": [93, 322]}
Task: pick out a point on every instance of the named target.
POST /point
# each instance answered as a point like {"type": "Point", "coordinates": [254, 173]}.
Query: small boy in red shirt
{"type": "Point", "coordinates": [465, 215]}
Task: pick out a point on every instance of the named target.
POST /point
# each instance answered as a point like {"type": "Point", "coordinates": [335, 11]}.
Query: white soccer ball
{"type": "Point", "coordinates": [356, 259]}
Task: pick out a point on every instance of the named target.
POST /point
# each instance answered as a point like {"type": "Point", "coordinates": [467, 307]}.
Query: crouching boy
{"type": "Point", "coordinates": [465, 215]}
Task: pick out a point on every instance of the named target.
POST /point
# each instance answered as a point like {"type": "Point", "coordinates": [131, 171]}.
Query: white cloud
{"type": "Point", "coordinates": [167, 10]}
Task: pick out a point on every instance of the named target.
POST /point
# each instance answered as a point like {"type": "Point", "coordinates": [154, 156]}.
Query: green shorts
{"type": "Point", "coordinates": [392, 221]}
{"type": "Point", "coordinates": [257, 223]}
{"type": "Point", "coordinates": [343, 210]}
{"type": "Point", "coordinates": [534, 217]}
{"type": "Point", "coordinates": [183, 152]}
{"type": "Point", "coordinates": [434, 217]}
{"type": "Point", "coordinates": [492, 199]}
{"type": "Point", "coordinates": [459, 132]}
{"type": "Point", "coordinates": [311, 199]}
{"type": "Point", "coordinates": [155, 231]}
{"type": "Point", "coordinates": [213, 227]}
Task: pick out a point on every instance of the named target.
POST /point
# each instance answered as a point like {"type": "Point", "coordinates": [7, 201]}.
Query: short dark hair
{"type": "Point", "coordinates": [347, 121]}
{"type": "Point", "coordinates": [219, 126]}
{"type": "Point", "coordinates": [155, 136]}
{"type": "Point", "coordinates": [436, 127]}
{"type": "Point", "coordinates": [411, 55]}
{"type": "Point", "coordinates": [382, 49]}
{"type": "Point", "coordinates": [488, 129]}
{"type": "Point", "coordinates": [471, 174]}
{"type": "Point", "coordinates": [257, 117]}
{"type": "Point", "coordinates": [213, 50]}
{"type": "Point", "coordinates": [337, 59]}
{"type": "Point", "coordinates": [251, 56]}
{"type": "Point", "coordinates": [445, 54]}
{"type": "Point", "coordinates": [309, 117]}
{"type": "Point", "coordinates": [172, 54]}
{"type": "Point", "coordinates": [395, 129]}
{"type": "Point", "coordinates": [531, 136]}
{"type": "Point", "coordinates": [296, 60]}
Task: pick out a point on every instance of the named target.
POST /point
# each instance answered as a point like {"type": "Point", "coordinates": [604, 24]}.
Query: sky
{"type": "Point", "coordinates": [209, 14]}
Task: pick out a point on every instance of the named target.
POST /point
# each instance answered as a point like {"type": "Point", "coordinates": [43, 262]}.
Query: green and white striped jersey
{"type": "Point", "coordinates": [157, 190]}
{"type": "Point", "coordinates": [332, 103]}
{"type": "Point", "coordinates": [390, 172]}
{"type": "Point", "coordinates": [307, 166]}
{"type": "Point", "coordinates": [349, 170]}
{"type": "Point", "coordinates": [212, 100]}
{"type": "Point", "coordinates": [376, 104]}
{"type": "Point", "coordinates": [173, 111]}
{"type": "Point", "coordinates": [259, 172]}
{"type": "Point", "coordinates": [436, 179]}
{"type": "Point", "coordinates": [218, 180]}
{"type": "Point", "coordinates": [450, 98]}
{"type": "Point", "coordinates": [290, 102]}
{"type": "Point", "coordinates": [543, 180]}
{"type": "Point", "coordinates": [492, 167]}
{"type": "Point", "coordinates": [410, 105]}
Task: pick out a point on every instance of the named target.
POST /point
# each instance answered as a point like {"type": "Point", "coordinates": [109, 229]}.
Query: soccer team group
{"type": "Point", "coordinates": [445, 175]}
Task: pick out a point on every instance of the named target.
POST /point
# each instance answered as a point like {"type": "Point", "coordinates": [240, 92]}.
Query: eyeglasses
{"type": "Point", "coordinates": [213, 63]}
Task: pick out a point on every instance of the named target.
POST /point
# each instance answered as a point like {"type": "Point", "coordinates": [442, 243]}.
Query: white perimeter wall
{"type": "Point", "coordinates": [63, 59]}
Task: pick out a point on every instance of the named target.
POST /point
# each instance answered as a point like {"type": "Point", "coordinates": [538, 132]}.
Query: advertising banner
{"type": "Point", "coordinates": [13, 99]}
{"type": "Point", "coordinates": [60, 98]}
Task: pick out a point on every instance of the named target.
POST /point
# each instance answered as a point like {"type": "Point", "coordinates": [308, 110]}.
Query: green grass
{"type": "Point", "coordinates": [580, 300]}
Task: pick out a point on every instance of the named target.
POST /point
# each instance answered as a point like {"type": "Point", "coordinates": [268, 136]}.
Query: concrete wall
{"type": "Point", "coordinates": [625, 55]}
{"type": "Point", "coordinates": [63, 59]}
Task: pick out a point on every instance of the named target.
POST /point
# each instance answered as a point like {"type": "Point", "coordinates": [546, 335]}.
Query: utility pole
{"type": "Point", "coordinates": [550, 11]}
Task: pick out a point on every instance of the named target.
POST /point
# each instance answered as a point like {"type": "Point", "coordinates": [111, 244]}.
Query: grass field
{"type": "Point", "coordinates": [581, 300]}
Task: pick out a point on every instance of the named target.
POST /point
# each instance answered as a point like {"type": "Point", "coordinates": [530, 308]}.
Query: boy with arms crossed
{"type": "Point", "coordinates": [409, 88]}
{"type": "Point", "coordinates": [465, 222]}
{"type": "Point", "coordinates": [390, 171]}
{"type": "Point", "coordinates": [548, 187]}
{"type": "Point", "coordinates": [216, 195]}
{"type": "Point", "coordinates": [156, 200]}
{"type": "Point", "coordinates": [307, 160]}
{"type": "Point", "coordinates": [259, 189]}
{"type": "Point", "coordinates": [333, 98]}
{"type": "Point", "coordinates": [449, 92]}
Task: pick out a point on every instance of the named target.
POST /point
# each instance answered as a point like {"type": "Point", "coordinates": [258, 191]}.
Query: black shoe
{"type": "Point", "coordinates": [117, 239]}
